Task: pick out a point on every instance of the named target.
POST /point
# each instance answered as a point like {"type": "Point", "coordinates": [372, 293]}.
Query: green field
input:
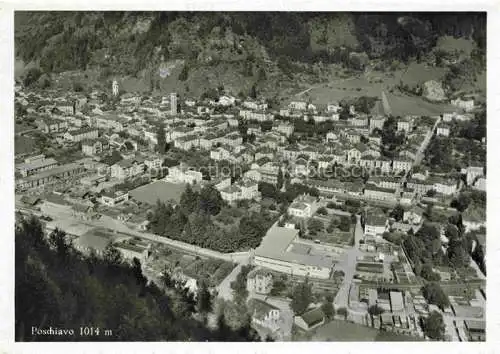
{"type": "Point", "coordinates": [24, 145]}
{"type": "Point", "coordinates": [160, 190]}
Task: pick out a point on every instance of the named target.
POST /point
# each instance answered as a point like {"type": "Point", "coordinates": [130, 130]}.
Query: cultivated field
{"type": "Point", "coordinates": [159, 190]}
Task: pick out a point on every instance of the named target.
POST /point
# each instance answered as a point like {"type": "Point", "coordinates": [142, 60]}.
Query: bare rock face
{"type": "Point", "coordinates": [433, 91]}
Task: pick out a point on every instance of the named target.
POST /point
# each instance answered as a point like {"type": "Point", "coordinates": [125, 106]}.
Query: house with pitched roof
{"type": "Point", "coordinates": [310, 319]}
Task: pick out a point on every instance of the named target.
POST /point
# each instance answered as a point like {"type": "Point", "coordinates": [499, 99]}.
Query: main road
{"type": "Point", "coordinates": [62, 215]}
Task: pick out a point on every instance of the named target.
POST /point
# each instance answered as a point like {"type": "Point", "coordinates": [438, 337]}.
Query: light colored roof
{"type": "Point", "coordinates": [396, 299]}
{"type": "Point", "coordinates": [36, 164]}
{"type": "Point", "coordinates": [301, 206]}
{"type": "Point", "coordinates": [276, 241]}
{"type": "Point", "coordinates": [275, 245]}
{"type": "Point", "coordinates": [53, 171]}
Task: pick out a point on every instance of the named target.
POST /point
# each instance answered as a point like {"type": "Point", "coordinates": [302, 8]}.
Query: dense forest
{"type": "Point", "coordinates": [57, 287]}
{"type": "Point", "coordinates": [74, 40]}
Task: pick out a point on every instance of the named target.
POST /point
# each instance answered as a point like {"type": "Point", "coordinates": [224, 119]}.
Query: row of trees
{"type": "Point", "coordinates": [271, 191]}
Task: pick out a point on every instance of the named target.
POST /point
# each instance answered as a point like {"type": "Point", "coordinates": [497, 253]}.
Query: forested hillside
{"type": "Point", "coordinates": [56, 286]}
{"type": "Point", "coordinates": [201, 47]}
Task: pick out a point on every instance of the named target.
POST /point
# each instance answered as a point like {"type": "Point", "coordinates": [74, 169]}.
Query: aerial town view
{"type": "Point", "coordinates": [250, 176]}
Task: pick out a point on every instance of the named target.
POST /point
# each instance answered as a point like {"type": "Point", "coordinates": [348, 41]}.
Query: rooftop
{"type": "Point", "coordinates": [40, 163]}
{"type": "Point", "coordinates": [53, 171]}
{"type": "Point", "coordinates": [259, 308]}
{"type": "Point", "coordinates": [313, 317]}
{"type": "Point", "coordinates": [276, 245]}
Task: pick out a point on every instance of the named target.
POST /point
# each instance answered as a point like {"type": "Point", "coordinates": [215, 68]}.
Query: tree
{"type": "Point", "coordinates": [59, 241]}
{"type": "Point", "coordinates": [314, 226]}
{"type": "Point", "coordinates": [461, 203]}
{"type": "Point", "coordinates": [397, 212]}
{"type": "Point", "coordinates": [279, 286]}
{"type": "Point", "coordinates": [375, 310]}
{"type": "Point", "coordinates": [301, 297]}
{"type": "Point", "coordinates": [334, 223]}
{"type": "Point", "coordinates": [44, 82]}
{"type": "Point", "coordinates": [435, 295]}
{"type": "Point", "coordinates": [210, 200]}
{"type": "Point", "coordinates": [342, 311]}
{"type": "Point", "coordinates": [111, 255]}
{"type": "Point", "coordinates": [430, 193]}
{"type": "Point", "coordinates": [203, 298]}
{"type": "Point", "coordinates": [262, 75]}
{"type": "Point", "coordinates": [183, 76]}
{"type": "Point", "coordinates": [322, 211]}
{"type": "Point", "coordinates": [236, 315]}
{"type": "Point", "coordinates": [239, 285]}
{"type": "Point", "coordinates": [77, 86]}
{"type": "Point", "coordinates": [253, 92]}
{"type": "Point", "coordinates": [428, 273]}
{"type": "Point", "coordinates": [328, 310]}
{"type": "Point", "coordinates": [433, 325]}
{"type": "Point", "coordinates": [161, 139]}
{"type": "Point", "coordinates": [32, 76]}
{"type": "Point", "coordinates": [190, 200]}
{"type": "Point", "coordinates": [279, 184]}
{"type": "Point", "coordinates": [457, 253]}
{"type": "Point", "coordinates": [345, 223]}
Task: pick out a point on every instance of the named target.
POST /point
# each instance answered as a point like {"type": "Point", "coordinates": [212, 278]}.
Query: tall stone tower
{"type": "Point", "coordinates": [173, 103]}
{"type": "Point", "coordinates": [115, 88]}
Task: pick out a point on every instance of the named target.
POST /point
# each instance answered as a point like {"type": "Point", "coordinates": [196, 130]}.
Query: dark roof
{"type": "Point", "coordinates": [313, 317]}
{"type": "Point", "coordinates": [30, 200]}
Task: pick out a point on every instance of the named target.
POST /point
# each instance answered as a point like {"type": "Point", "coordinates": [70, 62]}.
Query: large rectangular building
{"type": "Point", "coordinates": [49, 176]}
{"type": "Point", "coordinates": [35, 165]}
{"type": "Point", "coordinates": [280, 253]}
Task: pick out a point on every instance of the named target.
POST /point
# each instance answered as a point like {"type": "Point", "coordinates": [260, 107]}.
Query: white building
{"type": "Point", "coordinates": [276, 252]}
{"type": "Point", "coordinates": [466, 105]}
{"type": "Point", "coordinates": [112, 198]}
{"type": "Point", "coordinates": [375, 225]}
{"type": "Point", "coordinates": [265, 315]}
{"type": "Point", "coordinates": [472, 173]}
{"type": "Point", "coordinates": [114, 87]}
{"type": "Point", "coordinates": [298, 105]}
{"type": "Point", "coordinates": [173, 103]}
{"type": "Point", "coordinates": [181, 174]}
{"type": "Point", "coordinates": [259, 281]}
{"type": "Point", "coordinates": [443, 130]}
{"type": "Point", "coordinates": [303, 207]}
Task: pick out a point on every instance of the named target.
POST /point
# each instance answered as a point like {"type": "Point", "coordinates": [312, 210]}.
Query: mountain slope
{"type": "Point", "coordinates": [237, 49]}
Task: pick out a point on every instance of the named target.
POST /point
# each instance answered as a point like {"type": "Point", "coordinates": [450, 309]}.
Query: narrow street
{"type": "Point", "coordinates": [348, 265]}
{"type": "Point", "coordinates": [63, 216]}
{"type": "Point", "coordinates": [421, 151]}
{"type": "Point", "coordinates": [224, 290]}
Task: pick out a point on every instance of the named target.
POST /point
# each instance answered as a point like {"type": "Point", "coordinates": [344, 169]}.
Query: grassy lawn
{"type": "Point", "coordinates": [342, 331]}
{"type": "Point", "coordinates": [24, 145]}
{"type": "Point", "coordinates": [449, 43]}
{"type": "Point", "coordinates": [164, 191]}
